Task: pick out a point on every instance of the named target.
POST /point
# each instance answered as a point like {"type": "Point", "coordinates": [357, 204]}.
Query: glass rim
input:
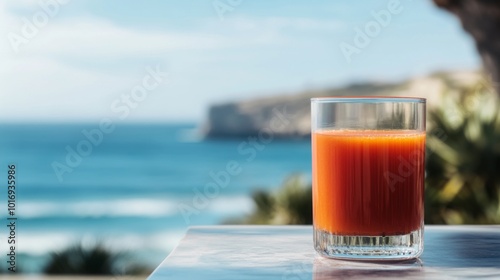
{"type": "Point", "coordinates": [369, 99]}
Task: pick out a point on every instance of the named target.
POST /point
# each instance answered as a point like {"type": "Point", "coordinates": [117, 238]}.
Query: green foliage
{"type": "Point", "coordinates": [463, 158]}
{"type": "Point", "coordinates": [291, 205]}
{"type": "Point", "coordinates": [92, 260]}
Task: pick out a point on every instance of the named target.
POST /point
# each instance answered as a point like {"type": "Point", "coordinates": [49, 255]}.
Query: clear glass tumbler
{"type": "Point", "coordinates": [368, 165]}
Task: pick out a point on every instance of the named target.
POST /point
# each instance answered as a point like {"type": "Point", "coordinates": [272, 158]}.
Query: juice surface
{"type": "Point", "coordinates": [368, 182]}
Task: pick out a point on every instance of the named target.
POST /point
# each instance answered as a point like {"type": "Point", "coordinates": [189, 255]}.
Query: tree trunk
{"type": "Point", "coordinates": [481, 19]}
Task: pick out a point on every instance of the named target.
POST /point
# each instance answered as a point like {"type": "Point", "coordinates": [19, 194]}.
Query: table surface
{"type": "Point", "coordinates": [286, 252]}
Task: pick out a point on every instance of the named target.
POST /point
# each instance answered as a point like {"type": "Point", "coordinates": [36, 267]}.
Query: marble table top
{"type": "Point", "coordinates": [286, 252]}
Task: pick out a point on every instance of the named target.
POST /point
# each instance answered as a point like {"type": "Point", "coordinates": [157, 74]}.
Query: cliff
{"type": "Point", "coordinates": [288, 116]}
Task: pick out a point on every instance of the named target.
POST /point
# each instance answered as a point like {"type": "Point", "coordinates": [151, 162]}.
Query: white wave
{"type": "Point", "coordinates": [46, 242]}
{"type": "Point", "coordinates": [42, 243]}
{"type": "Point", "coordinates": [232, 205]}
{"type": "Point", "coordinates": [134, 207]}
{"type": "Point", "coordinates": [99, 208]}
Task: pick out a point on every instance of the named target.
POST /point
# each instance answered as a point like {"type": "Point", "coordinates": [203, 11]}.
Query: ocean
{"type": "Point", "coordinates": [79, 183]}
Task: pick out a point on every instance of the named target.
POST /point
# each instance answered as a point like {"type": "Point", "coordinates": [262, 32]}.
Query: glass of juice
{"type": "Point", "coordinates": [368, 168]}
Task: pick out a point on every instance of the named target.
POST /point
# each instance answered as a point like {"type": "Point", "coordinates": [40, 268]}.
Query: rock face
{"type": "Point", "coordinates": [288, 116]}
{"type": "Point", "coordinates": [284, 117]}
{"type": "Point", "coordinates": [481, 19]}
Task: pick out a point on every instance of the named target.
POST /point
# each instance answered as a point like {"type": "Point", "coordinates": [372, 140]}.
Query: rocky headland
{"type": "Point", "coordinates": [289, 115]}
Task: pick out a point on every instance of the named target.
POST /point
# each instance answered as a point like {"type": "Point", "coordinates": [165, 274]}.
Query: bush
{"type": "Point", "coordinates": [290, 205]}
{"type": "Point", "coordinates": [92, 260]}
{"type": "Point", "coordinates": [463, 158]}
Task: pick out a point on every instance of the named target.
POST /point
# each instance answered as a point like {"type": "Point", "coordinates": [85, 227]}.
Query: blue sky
{"type": "Point", "coordinates": [88, 54]}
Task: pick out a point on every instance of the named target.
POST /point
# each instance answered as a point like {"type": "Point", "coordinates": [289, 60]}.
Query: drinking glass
{"type": "Point", "coordinates": [368, 164]}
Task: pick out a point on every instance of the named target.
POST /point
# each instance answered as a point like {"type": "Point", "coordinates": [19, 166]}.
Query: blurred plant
{"type": "Point", "coordinates": [91, 260]}
{"type": "Point", "coordinates": [463, 163]}
{"type": "Point", "coordinates": [290, 205]}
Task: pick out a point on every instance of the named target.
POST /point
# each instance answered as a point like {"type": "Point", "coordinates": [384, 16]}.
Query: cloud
{"type": "Point", "coordinates": [41, 83]}
{"type": "Point", "coordinates": [280, 24]}
{"type": "Point", "coordinates": [272, 31]}
{"type": "Point", "coordinates": [29, 4]}
{"type": "Point", "coordinates": [101, 38]}
{"type": "Point", "coordinates": [52, 77]}
{"type": "Point", "coordinates": [95, 37]}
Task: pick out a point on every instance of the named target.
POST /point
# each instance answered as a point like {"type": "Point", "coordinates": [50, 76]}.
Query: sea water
{"type": "Point", "coordinates": [126, 187]}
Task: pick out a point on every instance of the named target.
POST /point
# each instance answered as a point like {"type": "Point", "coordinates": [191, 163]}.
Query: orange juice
{"type": "Point", "coordinates": [368, 182]}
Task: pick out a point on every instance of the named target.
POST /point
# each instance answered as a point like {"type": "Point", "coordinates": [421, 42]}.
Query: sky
{"type": "Point", "coordinates": [168, 61]}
